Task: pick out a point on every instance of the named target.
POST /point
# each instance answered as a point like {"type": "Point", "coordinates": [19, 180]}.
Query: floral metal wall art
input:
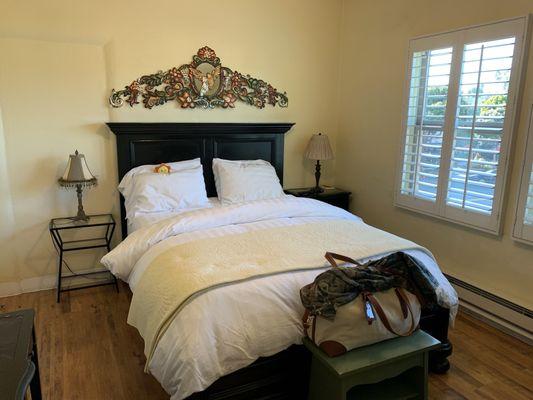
{"type": "Point", "coordinates": [202, 83]}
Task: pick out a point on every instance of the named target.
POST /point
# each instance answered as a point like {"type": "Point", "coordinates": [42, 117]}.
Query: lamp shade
{"type": "Point", "coordinates": [77, 172]}
{"type": "Point", "coordinates": [319, 148]}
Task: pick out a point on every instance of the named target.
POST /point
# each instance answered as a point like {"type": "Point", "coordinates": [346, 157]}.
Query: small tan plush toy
{"type": "Point", "coordinates": [162, 169]}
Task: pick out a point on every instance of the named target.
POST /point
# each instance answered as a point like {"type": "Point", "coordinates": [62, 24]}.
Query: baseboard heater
{"type": "Point", "coordinates": [502, 314]}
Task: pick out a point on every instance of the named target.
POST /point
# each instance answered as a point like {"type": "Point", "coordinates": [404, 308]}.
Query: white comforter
{"type": "Point", "coordinates": [229, 327]}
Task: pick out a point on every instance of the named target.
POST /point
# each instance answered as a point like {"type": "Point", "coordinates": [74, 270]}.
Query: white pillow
{"type": "Point", "coordinates": [126, 183]}
{"type": "Point", "coordinates": [153, 192]}
{"type": "Point", "coordinates": [241, 181]}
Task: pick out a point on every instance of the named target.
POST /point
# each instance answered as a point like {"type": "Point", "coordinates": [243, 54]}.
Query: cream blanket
{"type": "Point", "coordinates": [185, 271]}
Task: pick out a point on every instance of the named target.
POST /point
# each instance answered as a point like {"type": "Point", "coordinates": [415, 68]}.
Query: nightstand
{"type": "Point", "coordinates": [70, 235]}
{"type": "Point", "coordinates": [336, 197]}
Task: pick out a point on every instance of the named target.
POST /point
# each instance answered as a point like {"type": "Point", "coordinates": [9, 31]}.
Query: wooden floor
{"type": "Point", "coordinates": [87, 351]}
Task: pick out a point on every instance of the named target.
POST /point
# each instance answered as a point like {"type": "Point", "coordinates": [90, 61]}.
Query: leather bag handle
{"type": "Point", "coordinates": [331, 257]}
{"type": "Point", "coordinates": [305, 320]}
{"type": "Point", "coordinates": [404, 303]}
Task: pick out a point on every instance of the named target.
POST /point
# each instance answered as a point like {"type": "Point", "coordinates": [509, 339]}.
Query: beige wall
{"type": "Point", "coordinates": [374, 43]}
{"type": "Point", "coordinates": [60, 59]}
{"type": "Point", "coordinates": [51, 101]}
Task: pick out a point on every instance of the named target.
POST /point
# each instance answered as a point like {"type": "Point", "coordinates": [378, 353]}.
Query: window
{"type": "Point", "coordinates": [458, 121]}
{"type": "Point", "coordinates": [523, 229]}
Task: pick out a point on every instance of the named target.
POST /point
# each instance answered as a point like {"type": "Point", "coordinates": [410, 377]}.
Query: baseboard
{"type": "Point", "coordinates": [496, 311]}
{"type": "Point", "coordinates": [35, 284]}
{"type": "Point", "coordinates": [27, 285]}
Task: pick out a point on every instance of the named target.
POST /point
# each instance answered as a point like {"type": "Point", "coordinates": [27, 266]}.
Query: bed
{"type": "Point", "coordinates": [282, 373]}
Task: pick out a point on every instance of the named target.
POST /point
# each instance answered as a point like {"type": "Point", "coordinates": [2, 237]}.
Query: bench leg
{"type": "Point", "coordinates": [323, 385]}
{"type": "Point", "coordinates": [418, 376]}
{"type": "Point", "coordinates": [423, 380]}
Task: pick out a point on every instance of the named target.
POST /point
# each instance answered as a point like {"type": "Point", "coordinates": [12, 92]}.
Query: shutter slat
{"type": "Point", "coordinates": [459, 180]}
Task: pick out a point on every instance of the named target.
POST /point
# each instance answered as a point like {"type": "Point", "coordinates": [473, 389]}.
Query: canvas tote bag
{"type": "Point", "coordinates": [370, 318]}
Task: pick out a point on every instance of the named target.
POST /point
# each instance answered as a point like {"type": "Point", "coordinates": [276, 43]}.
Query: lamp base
{"type": "Point", "coordinates": [317, 189]}
{"type": "Point", "coordinates": [81, 216]}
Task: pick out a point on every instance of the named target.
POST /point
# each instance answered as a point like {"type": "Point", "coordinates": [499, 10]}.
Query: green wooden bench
{"type": "Point", "coordinates": [393, 369]}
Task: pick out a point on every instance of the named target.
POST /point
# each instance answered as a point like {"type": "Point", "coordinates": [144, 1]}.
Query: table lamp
{"type": "Point", "coordinates": [78, 175]}
{"type": "Point", "coordinates": [318, 149]}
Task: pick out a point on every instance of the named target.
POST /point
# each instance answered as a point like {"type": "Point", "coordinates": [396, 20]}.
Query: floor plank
{"type": "Point", "coordinates": [86, 348]}
{"type": "Point", "coordinates": [88, 351]}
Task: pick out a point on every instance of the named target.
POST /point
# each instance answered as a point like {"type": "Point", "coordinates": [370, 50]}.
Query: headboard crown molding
{"type": "Point", "coordinates": [143, 128]}
{"type": "Point", "coordinates": [204, 82]}
{"type": "Point", "coordinates": [141, 143]}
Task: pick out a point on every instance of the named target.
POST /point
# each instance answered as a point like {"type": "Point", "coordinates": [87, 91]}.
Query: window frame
{"type": "Point", "coordinates": [521, 231]}
{"type": "Point", "coordinates": [457, 39]}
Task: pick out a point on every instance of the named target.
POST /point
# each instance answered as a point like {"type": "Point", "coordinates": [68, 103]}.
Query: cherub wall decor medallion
{"type": "Point", "coordinates": [202, 83]}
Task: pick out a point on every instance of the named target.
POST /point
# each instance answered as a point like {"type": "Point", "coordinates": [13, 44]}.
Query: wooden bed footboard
{"type": "Point", "coordinates": [285, 375]}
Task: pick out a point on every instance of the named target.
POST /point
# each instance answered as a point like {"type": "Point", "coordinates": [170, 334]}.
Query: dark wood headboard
{"type": "Point", "coordinates": [155, 143]}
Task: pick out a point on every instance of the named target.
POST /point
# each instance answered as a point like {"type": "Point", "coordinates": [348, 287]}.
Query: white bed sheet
{"type": "Point", "coordinates": [228, 328]}
{"type": "Point", "coordinates": [140, 220]}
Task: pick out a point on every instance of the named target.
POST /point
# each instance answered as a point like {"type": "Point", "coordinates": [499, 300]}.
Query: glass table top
{"type": "Point", "coordinates": [94, 220]}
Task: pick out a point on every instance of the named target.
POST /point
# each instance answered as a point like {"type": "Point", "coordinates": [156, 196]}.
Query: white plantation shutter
{"type": "Point", "coordinates": [523, 229]}
{"type": "Point", "coordinates": [482, 101]}
{"type": "Point", "coordinates": [428, 93]}
{"type": "Point", "coordinates": [458, 122]}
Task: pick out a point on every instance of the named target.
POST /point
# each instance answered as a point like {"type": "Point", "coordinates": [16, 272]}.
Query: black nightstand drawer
{"type": "Point", "coordinates": [341, 201]}
{"type": "Point", "coordinates": [336, 197]}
